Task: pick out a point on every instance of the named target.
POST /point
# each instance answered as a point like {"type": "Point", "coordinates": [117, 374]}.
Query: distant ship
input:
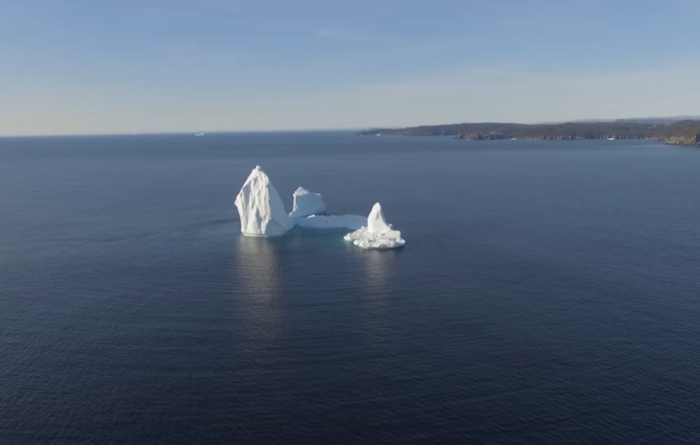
{"type": "Point", "coordinates": [611, 138]}
{"type": "Point", "coordinates": [199, 134]}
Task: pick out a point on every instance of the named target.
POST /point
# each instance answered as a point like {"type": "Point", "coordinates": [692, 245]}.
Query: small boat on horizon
{"type": "Point", "coordinates": [199, 134]}
{"type": "Point", "coordinates": [611, 138]}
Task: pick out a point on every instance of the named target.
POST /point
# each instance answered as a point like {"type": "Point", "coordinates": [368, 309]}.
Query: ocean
{"type": "Point", "coordinates": [549, 292]}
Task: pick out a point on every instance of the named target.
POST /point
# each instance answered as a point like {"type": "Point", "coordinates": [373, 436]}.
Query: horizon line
{"type": "Point", "coordinates": [320, 130]}
{"type": "Point", "coordinates": [177, 133]}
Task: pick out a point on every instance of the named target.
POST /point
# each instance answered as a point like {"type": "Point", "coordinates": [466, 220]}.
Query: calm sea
{"type": "Point", "coordinates": [549, 293]}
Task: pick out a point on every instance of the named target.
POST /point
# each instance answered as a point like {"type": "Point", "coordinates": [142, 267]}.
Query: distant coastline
{"type": "Point", "coordinates": [684, 132]}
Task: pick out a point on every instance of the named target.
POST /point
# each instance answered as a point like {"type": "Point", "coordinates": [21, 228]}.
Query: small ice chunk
{"type": "Point", "coordinates": [377, 234]}
{"type": "Point", "coordinates": [307, 203]}
{"type": "Point", "coordinates": [260, 207]}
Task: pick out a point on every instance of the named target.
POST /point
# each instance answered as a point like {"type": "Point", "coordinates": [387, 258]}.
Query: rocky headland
{"type": "Point", "coordinates": [685, 132]}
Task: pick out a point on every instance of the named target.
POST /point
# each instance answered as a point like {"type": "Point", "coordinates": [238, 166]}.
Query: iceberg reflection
{"type": "Point", "coordinates": [258, 289]}
{"type": "Point", "coordinates": [258, 268]}
{"type": "Point", "coordinates": [377, 268]}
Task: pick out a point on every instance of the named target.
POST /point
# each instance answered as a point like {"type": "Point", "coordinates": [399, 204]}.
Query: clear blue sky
{"type": "Point", "coordinates": [72, 67]}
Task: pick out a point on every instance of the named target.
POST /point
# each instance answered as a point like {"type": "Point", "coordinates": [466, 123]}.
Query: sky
{"type": "Point", "coordinates": [149, 66]}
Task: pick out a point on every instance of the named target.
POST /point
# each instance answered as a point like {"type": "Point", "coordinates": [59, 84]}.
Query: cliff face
{"type": "Point", "coordinates": [684, 140]}
{"type": "Point", "coordinates": [561, 137]}
{"type": "Point", "coordinates": [479, 137]}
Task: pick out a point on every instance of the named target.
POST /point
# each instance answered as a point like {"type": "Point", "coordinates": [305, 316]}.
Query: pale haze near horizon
{"type": "Point", "coordinates": [80, 67]}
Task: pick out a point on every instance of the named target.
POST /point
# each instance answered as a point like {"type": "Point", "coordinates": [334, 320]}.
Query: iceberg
{"type": "Point", "coordinates": [377, 234]}
{"type": "Point", "coordinates": [262, 214]}
{"type": "Point", "coordinates": [307, 203]}
{"type": "Point", "coordinates": [260, 207]}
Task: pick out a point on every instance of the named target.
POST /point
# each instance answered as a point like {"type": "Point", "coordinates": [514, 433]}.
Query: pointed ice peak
{"type": "Point", "coordinates": [375, 221]}
{"type": "Point", "coordinates": [377, 234]}
{"type": "Point", "coordinates": [260, 207]}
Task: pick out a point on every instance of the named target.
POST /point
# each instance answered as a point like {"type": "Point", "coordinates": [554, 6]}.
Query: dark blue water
{"type": "Point", "coordinates": [549, 293]}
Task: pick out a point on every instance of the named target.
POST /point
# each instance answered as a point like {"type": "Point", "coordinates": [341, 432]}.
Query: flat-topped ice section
{"type": "Point", "coordinates": [377, 234]}
{"type": "Point", "coordinates": [349, 222]}
{"type": "Point", "coordinates": [260, 207]}
{"type": "Point", "coordinates": [307, 203]}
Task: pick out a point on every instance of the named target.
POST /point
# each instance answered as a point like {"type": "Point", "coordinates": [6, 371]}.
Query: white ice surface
{"type": "Point", "coordinates": [377, 234]}
{"type": "Point", "coordinates": [260, 207]}
{"type": "Point", "coordinates": [375, 221]}
{"type": "Point", "coordinates": [307, 203]}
